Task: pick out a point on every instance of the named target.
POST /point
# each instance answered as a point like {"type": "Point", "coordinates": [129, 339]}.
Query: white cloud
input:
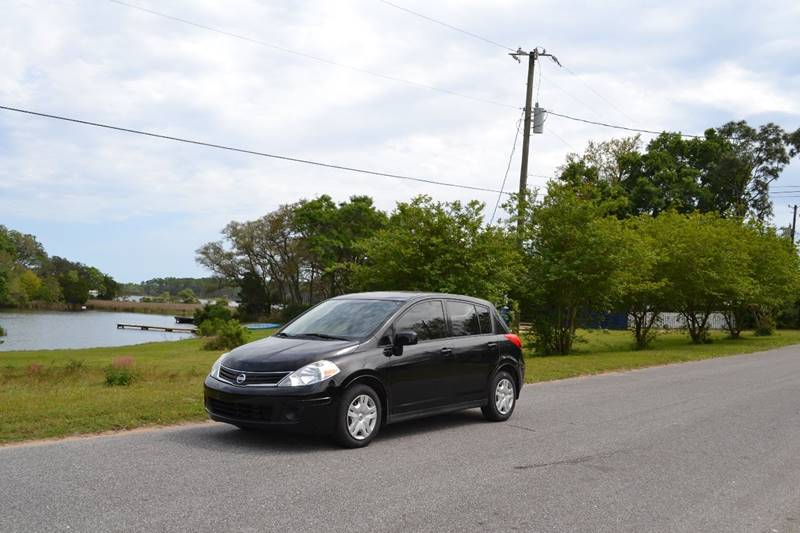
{"type": "Point", "coordinates": [660, 68]}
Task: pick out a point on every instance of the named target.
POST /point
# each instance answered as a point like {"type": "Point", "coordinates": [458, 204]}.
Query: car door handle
{"type": "Point", "coordinates": [492, 345]}
{"type": "Point", "coordinates": [447, 352]}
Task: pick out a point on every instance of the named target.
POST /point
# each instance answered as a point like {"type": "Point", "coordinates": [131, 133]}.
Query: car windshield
{"type": "Point", "coordinates": [342, 319]}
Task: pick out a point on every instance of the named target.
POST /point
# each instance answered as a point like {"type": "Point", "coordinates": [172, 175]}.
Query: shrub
{"type": "Point", "coordinates": [118, 376]}
{"type": "Point", "coordinates": [218, 310]}
{"type": "Point", "coordinates": [210, 327]}
{"type": "Point", "coordinates": [223, 334]}
{"type": "Point", "coordinates": [765, 324]}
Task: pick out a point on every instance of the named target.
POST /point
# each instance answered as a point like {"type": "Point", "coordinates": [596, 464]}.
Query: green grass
{"type": "Point", "coordinates": [57, 393]}
{"type": "Point", "coordinates": [608, 351]}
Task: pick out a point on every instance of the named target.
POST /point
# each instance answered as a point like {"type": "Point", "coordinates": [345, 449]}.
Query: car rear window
{"type": "Point", "coordinates": [463, 318]}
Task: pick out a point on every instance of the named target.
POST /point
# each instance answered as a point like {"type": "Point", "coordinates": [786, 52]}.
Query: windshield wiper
{"type": "Point", "coordinates": [322, 336]}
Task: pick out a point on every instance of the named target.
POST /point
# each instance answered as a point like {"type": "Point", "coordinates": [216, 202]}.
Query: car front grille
{"type": "Point", "coordinates": [240, 411]}
{"type": "Point", "coordinates": [251, 378]}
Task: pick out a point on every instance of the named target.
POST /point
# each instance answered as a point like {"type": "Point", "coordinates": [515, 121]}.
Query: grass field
{"type": "Point", "coordinates": [63, 392]}
{"type": "Point", "coordinates": [607, 351]}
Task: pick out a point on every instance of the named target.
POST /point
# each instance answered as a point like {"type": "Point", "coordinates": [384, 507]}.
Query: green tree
{"type": "Point", "coordinates": [436, 246]}
{"type": "Point", "coordinates": [268, 248]}
{"type": "Point", "coordinates": [642, 278]}
{"type": "Point", "coordinates": [74, 288]}
{"type": "Point", "coordinates": [727, 171]}
{"type": "Point", "coordinates": [186, 296]}
{"type": "Point", "coordinates": [254, 298]}
{"type": "Point", "coordinates": [705, 264]}
{"type": "Point", "coordinates": [762, 154]}
{"type": "Point", "coordinates": [329, 234]}
{"type": "Point", "coordinates": [775, 271]}
{"type": "Point", "coordinates": [110, 289]}
{"type": "Point", "coordinates": [573, 258]}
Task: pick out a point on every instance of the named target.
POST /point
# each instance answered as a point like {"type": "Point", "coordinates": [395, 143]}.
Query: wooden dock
{"type": "Point", "coordinates": [165, 329]}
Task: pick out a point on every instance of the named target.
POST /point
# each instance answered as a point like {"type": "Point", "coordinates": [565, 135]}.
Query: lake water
{"type": "Point", "coordinates": [48, 330]}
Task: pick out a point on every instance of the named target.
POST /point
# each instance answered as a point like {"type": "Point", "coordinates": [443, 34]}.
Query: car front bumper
{"type": "Point", "coordinates": [311, 409]}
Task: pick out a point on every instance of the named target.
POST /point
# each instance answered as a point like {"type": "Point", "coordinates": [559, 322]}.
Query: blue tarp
{"type": "Point", "coordinates": [266, 325]}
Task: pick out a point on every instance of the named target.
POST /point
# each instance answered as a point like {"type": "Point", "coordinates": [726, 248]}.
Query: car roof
{"type": "Point", "coordinates": [407, 296]}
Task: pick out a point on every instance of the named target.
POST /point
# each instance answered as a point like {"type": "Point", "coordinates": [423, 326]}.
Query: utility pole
{"type": "Point", "coordinates": [794, 222]}
{"type": "Point", "coordinates": [533, 55]}
{"type": "Point", "coordinates": [526, 140]}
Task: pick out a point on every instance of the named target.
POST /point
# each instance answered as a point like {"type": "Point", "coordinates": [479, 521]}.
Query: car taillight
{"type": "Point", "coordinates": [513, 338]}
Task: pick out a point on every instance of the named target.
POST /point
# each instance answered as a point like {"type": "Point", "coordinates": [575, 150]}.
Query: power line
{"type": "Point", "coordinates": [251, 152]}
{"type": "Point", "coordinates": [603, 98]}
{"type": "Point", "coordinates": [311, 56]}
{"type": "Point", "coordinates": [370, 72]}
{"type": "Point", "coordinates": [446, 25]}
{"type": "Point", "coordinates": [606, 125]}
{"type": "Point", "coordinates": [505, 177]}
{"type": "Point", "coordinates": [431, 19]}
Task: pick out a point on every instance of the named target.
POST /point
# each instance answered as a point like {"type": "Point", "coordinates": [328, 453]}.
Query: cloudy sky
{"type": "Point", "coordinates": [138, 207]}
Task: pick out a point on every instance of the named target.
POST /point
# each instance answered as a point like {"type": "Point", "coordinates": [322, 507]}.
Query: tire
{"type": "Point", "coordinates": [502, 397]}
{"type": "Point", "coordinates": [358, 416]}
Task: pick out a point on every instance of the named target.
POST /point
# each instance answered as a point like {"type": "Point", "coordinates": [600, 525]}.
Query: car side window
{"type": "Point", "coordinates": [426, 319]}
{"type": "Point", "coordinates": [463, 318]}
{"type": "Point", "coordinates": [484, 318]}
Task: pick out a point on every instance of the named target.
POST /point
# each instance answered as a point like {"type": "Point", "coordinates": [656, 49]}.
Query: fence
{"type": "Point", "coordinates": [666, 321]}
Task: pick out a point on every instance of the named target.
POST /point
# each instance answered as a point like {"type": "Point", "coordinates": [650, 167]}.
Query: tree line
{"type": "Point", "coordinates": [29, 277]}
{"type": "Point", "coordinates": [182, 288]}
{"type": "Point", "coordinates": [680, 225]}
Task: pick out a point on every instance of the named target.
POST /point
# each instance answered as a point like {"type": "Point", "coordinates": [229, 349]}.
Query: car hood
{"type": "Point", "coordinates": [275, 354]}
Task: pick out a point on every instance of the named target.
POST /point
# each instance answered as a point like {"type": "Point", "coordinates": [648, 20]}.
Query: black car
{"type": "Point", "coordinates": [355, 362]}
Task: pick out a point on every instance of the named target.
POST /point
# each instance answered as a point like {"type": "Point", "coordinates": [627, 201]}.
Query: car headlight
{"type": "Point", "coordinates": [215, 367]}
{"type": "Point", "coordinates": [310, 374]}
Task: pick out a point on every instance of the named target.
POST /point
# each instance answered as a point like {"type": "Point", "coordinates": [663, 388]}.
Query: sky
{"type": "Point", "coordinates": [138, 208]}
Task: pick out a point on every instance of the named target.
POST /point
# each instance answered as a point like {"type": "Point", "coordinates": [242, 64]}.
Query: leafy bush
{"type": "Point", "coordinates": [210, 327]}
{"type": "Point", "coordinates": [222, 334]}
{"type": "Point", "coordinates": [218, 310]}
{"type": "Point", "coordinates": [118, 376]}
{"type": "Point", "coordinates": [765, 324]}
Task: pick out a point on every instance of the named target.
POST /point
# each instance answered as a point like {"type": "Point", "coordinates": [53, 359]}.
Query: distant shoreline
{"type": "Point", "coordinates": [156, 308]}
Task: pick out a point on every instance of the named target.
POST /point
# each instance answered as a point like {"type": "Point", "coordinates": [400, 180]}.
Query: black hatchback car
{"type": "Point", "coordinates": [356, 362]}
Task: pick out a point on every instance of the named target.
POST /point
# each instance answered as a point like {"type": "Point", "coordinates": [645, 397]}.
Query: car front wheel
{"type": "Point", "coordinates": [502, 397]}
{"type": "Point", "coordinates": [358, 417]}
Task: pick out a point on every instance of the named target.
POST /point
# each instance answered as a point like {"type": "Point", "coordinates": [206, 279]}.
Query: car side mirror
{"type": "Point", "coordinates": [403, 338]}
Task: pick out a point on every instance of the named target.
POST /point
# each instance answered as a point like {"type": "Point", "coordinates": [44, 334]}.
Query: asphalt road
{"type": "Point", "coordinates": [707, 446]}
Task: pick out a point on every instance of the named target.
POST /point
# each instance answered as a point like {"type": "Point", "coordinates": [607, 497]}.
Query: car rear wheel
{"type": "Point", "coordinates": [502, 397]}
{"type": "Point", "coordinates": [358, 417]}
